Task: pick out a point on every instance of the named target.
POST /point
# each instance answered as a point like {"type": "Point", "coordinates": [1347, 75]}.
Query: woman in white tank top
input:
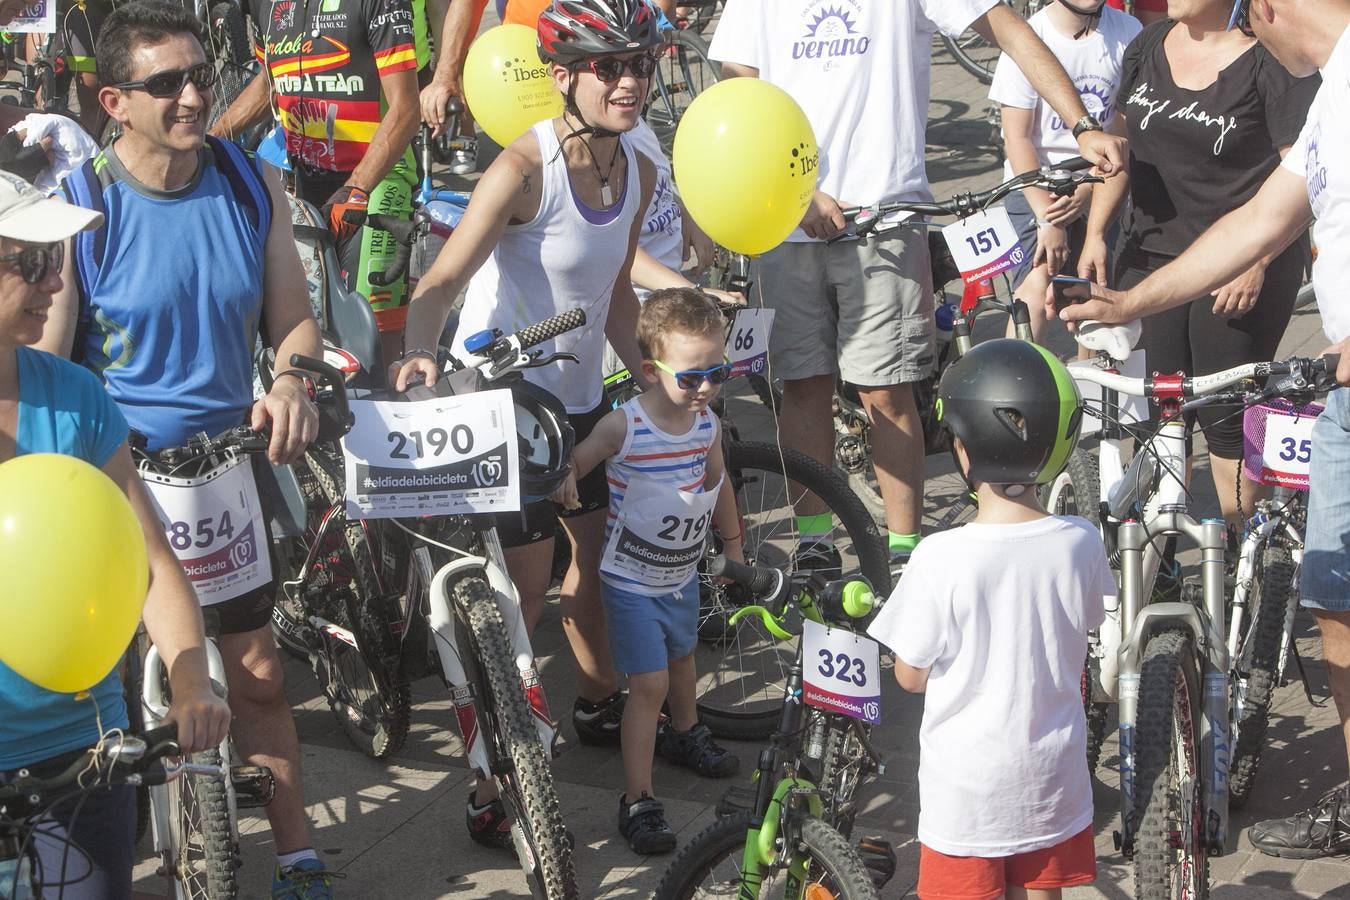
{"type": "Point", "coordinates": [553, 225]}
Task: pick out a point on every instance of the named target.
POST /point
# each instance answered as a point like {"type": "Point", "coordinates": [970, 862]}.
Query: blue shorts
{"type": "Point", "coordinates": [1325, 576]}
{"type": "Point", "coordinates": [1028, 232]}
{"type": "Point", "coordinates": [645, 633]}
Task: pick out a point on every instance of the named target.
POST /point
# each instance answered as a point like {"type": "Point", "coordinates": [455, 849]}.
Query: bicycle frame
{"type": "Point", "coordinates": [442, 621]}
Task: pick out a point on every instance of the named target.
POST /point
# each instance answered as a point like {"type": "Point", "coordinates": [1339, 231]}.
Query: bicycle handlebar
{"type": "Point", "coordinates": [243, 439]}
{"type": "Point", "coordinates": [133, 754]}
{"type": "Point", "coordinates": [1061, 179]}
{"type": "Point", "coordinates": [1300, 373]}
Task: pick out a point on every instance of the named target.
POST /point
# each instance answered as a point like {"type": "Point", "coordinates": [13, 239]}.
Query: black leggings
{"type": "Point", "coordinates": [1190, 338]}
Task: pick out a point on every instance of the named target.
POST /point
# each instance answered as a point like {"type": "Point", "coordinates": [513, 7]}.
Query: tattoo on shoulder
{"type": "Point", "coordinates": [525, 183]}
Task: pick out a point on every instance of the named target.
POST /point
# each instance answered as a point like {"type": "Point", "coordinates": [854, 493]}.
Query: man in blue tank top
{"type": "Point", "coordinates": [165, 303]}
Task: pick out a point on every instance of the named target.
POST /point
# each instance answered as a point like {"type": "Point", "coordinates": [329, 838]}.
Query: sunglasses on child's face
{"type": "Point", "coordinates": [692, 379]}
{"type": "Point", "coordinates": [172, 82]}
{"type": "Point", "coordinates": [36, 262]}
{"type": "Point", "coordinates": [611, 68]}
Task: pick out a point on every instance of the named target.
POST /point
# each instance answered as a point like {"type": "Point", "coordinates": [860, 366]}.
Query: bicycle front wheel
{"type": "Point", "coordinates": [712, 865]}
{"type": "Point", "coordinates": [1170, 859]}
{"type": "Point", "coordinates": [527, 786]}
{"type": "Point", "coordinates": [200, 852]}
{"type": "Point", "coordinates": [743, 668]}
{"type": "Point", "coordinates": [1274, 600]}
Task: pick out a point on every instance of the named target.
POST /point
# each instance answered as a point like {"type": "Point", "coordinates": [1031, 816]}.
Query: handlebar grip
{"type": "Point", "coordinates": [1072, 164]}
{"type": "Point", "coordinates": [550, 328]}
{"type": "Point", "coordinates": [333, 380]}
{"type": "Point", "coordinates": [1333, 362]}
{"type": "Point", "coordinates": [454, 106]}
{"type": "Point", "coordinates": [397, 267]}
{"type": "Point", "coordinates": [161, 733]}
{"type": "Point", "coordinates": [759, 582]}
{"type": "Point", "coordinates": [400, 228]}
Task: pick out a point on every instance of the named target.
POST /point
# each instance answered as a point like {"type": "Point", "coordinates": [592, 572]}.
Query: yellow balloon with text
{"type": "Point", "coordinates": [506, 86]}
{"type": "Point", "coordinates": [75, 571]}
{"type": "Point", "coordinates": [745, 164]}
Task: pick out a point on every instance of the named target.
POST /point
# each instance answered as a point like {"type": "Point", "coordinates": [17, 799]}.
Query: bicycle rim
{"type": "Point", "coordinates": [683, 72]}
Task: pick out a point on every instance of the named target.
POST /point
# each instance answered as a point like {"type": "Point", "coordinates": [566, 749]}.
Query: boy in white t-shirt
{"type": "Point", "coordinates": [1089, 40]}
{"type": "Point", "coordinates": [997, 643]}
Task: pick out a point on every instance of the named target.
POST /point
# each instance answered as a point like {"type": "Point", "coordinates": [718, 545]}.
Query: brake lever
{"type": "Point", "coordinates": [551, 359]}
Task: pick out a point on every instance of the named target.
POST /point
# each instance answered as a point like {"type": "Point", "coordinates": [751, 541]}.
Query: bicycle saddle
{"type": "Point", "coordinates": [1116, 341]}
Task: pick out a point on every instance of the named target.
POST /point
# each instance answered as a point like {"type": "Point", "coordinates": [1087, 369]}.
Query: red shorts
{"type": "Point", "coordinates": [1069, 863]}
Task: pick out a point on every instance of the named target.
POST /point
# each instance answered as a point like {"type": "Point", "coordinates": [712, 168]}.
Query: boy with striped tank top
{"type": "Point", "coordinates": [663, 461]}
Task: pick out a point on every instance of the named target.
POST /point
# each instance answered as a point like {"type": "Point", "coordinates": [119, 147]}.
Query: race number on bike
{"type": "Point", "coordinates": [445, 456]}
{"type": "Point", "coordinates": [841, 671]}
{"type": "Point", "coordinates": [984, 244]}
{"type": "Point", "coordinates": [214, 523]}
{"type": "Point", "coordinates": [748, 345]}
{"type": "Point", "coordinates": [1287, 449]}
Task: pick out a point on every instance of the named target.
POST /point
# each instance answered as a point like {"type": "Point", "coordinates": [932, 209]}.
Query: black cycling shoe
{"type": "Point", "coordinates": [822, 558]}
{"type": "Point", "coordinates": [1321, 830]}
{"type": "Point", "coordinates": [598, 724]}
{"type": "Point", "coordinates": [695, 749]}
{"type": "Point", "coordinates": [643, 824]}
{"type": "Point", "coordinates": [489, 825]}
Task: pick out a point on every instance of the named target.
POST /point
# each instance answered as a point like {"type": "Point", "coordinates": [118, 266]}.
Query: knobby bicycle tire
{"type": "Point", "coordinates": [742, 668]}
{"type": "Point", "coordinates": [1170, 859]}
{"type": "Point", "coordinates": [230, 48]}
{"type": "Point", "coordinates": [1077, 492]}
{"type": "Point", "coordinates": [833, 861]}
{"type": "Point", "coordinates": [1273, 588]}
{"type": "Point", "coordinates": [201, 851]}
{"type": "Point", "coordinates": [846, 766]}
{"type": "Point", "coordinates": [377, 724]}
{"type": "Point", "coordinates": [527, 789]}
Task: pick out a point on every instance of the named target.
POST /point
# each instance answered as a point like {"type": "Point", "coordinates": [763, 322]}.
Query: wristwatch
{"type": "Point", "coordinates": [1087, 123]}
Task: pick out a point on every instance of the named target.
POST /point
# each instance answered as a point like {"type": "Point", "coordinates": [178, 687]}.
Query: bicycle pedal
{"type": "Point", "coordinates": [736, 799]}
{"type": "Point", "coordinates": [254, 786]}
{"type": "Point", "coordinates": [878, 857]}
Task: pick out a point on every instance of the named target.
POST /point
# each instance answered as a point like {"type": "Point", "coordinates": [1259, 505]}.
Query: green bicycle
{"type": "Point", "coordinates": [793, 840]}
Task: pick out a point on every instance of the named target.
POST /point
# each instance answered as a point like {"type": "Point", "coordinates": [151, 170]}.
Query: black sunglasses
{"type": "Point", "coordinates": [611, 68]}
{"type": "Point", "coordinates": [172, 82]}
{"type": "Point", "coordinates": [36, 262]}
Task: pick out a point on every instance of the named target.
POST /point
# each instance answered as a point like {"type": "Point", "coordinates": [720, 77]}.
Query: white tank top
{"type": "Point", "coordinates": [568, 256]}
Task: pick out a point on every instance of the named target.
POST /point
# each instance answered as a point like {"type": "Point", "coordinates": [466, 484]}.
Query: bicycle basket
{"type": "Point", "coordinates": [1255, 423]}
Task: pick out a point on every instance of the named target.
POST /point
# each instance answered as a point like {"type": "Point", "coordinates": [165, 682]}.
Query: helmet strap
{"type": "Point", "coordinates": [1089, 20]}
{"type": "Point", "coordinates": [571, 109]}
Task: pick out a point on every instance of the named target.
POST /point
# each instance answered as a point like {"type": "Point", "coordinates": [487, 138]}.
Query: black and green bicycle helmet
{"type": "Point", "coordinates": [1015, 409]}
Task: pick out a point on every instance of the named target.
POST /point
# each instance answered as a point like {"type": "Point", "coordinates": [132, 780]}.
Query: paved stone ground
{"type": "Point", "coordinates": [397, 830]}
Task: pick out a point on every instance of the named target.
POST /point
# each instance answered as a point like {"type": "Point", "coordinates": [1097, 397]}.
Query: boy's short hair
{"type": "Point", "coordinates": [135, 25]}
{"type": "Point", "coordinates": [682, 310]}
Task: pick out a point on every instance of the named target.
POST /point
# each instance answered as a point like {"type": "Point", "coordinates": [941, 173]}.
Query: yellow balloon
{"type": "Point", "coordinates": [75, 571]}
{"type": "Point", "coordinates": [745, 163]}
{"type": "Point", "coordinates": [506, 86]}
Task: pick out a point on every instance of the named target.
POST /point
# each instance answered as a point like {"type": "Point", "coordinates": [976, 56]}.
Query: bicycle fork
{"type": "Point", "coordinates": [1140, 621]}
{"type": "Point", "coordinates": [441, 620]}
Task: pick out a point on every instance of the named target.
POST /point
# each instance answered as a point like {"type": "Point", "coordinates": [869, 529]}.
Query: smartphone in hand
{"type": "Point", "coordinates": [1070, 289]}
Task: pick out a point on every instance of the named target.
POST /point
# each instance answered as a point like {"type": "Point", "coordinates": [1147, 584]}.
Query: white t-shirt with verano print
{"type": "Point", "coordinates": [860, 71]}
{"type": "Point", "coordinates": [1092, 61]}
{"type": "Point", "coordinates": [1321, 156]}
{"type": "Point", "coordinates": [1001, 614]}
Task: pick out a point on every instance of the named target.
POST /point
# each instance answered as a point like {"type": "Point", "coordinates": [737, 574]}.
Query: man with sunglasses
{"type": "Point", "coordinates": [1313, 181]}
{"type": "Point", "coordinates": [862, 310]}
{"type": "Point", "coordinates": [342, 79]}
{"type": "Point", "coordinates": [165, 302]}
